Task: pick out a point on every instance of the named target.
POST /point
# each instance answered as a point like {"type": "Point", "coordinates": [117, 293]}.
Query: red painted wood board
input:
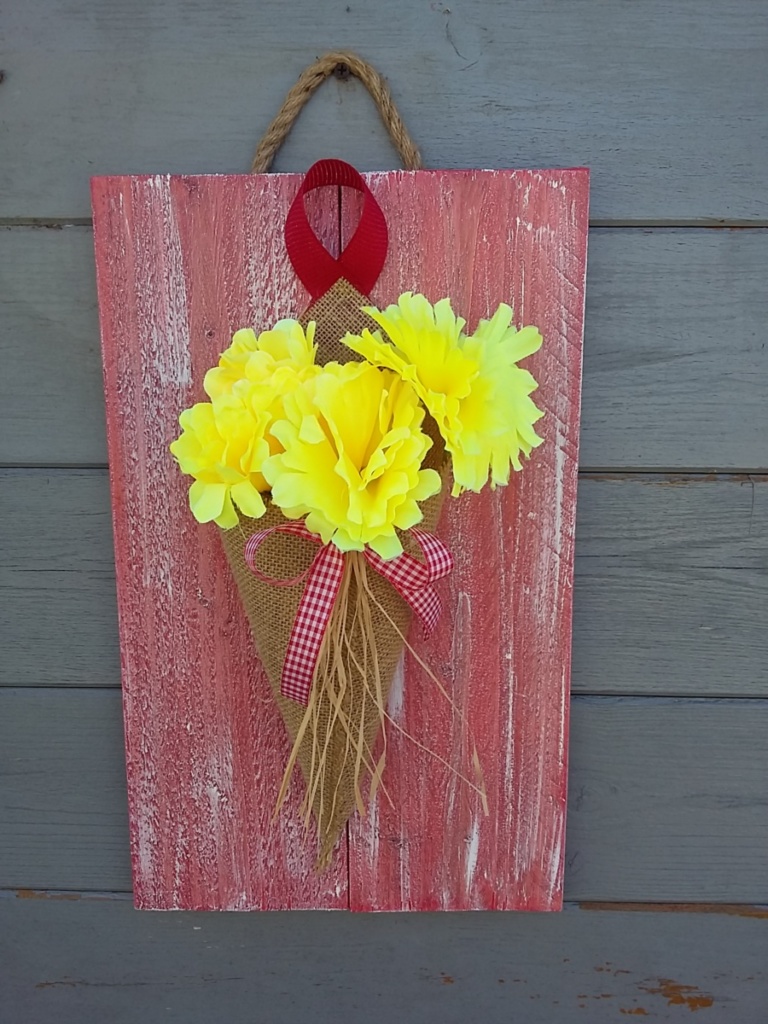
{"type": "Point", "coordinates": [183, 262]}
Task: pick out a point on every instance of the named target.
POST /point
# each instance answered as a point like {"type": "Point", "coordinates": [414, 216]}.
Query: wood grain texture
{"type": "Point", "coordinates": [585, 966]}
{"type": "Point", "coordinates": [664, 99]}
{"type": "Point", "coordinates": [702, 804]}
{"type": "Point", "coordinates": [62, 782]}
{"type": "Point", "coordinates": [502, 649]}
{"type": "Point", "coordinates": [667, 797]}
{"type": "Point", "coordinates": [670, 584]}
{"type": "Point", "coordinates": [675, 365]}
{"type": "Point", "coordinates": [59, 603]}
{"type": "Point", "coordinates": [480, 237]}
{"type": "Point", "coordinates": [205, 745]}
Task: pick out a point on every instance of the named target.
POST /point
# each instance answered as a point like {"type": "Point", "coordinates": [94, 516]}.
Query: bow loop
{"type": "Point", "coordinates": [411, 578]}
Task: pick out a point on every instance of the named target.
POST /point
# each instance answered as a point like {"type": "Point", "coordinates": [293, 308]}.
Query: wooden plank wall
{"type": "Point", "coordinates": [667, 846]}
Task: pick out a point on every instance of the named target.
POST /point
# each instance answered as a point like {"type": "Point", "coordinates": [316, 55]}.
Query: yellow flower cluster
{"type": "Point", "coordinates": [225, 441]}
{"type": "Point", "coordinates": [342, 446]}
{"type": "Point", "coordinates": [471, 384]}
{"type": "Point", "coordinates": [339, 445]}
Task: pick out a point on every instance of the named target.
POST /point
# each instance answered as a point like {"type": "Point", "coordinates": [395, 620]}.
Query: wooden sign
{"type": "Point", "coordinates": [182, 263]}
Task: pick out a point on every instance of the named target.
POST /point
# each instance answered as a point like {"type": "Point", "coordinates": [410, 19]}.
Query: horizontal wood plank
{"type": "Point", "coordinates": [595, 966]}
{"type": "Point", "coordinates": [667, 797]}
{"type": "Point", "coordinates": [675, 364]}
{"type": "Point", "coordinates": [671, 587]}
{"type": "Point", "coordinates": [664, 100]}
{"type": "Point", "coordinates": [57, 574]}
{"type": "Point", "coordinates": [62, 789]}
{"type": "Point", "coordinates": [667, 800]}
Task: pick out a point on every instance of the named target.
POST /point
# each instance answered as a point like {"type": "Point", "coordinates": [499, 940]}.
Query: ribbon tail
{"type": "Point", "coordinates": [427, 605]}
{"type": "Point", "coordinates": [413, 579]}
{"type": "Point", "coordinates": [310, 624]}
{"type": "Point", "coordinates": [438, 558]}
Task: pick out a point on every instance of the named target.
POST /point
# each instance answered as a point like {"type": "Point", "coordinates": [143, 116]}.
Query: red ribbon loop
{"type": "Point", "coordinates": [361, 261]}
{"type": "Point", "coordinates": [411, 578]}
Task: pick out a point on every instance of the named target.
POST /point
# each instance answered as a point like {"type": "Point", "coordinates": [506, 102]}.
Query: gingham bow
{"type": "Point", "coordinates": [411, 578]}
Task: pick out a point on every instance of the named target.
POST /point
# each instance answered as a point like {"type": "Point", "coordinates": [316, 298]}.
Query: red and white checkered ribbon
{"type": "Point", "coordinates": [411, 578]}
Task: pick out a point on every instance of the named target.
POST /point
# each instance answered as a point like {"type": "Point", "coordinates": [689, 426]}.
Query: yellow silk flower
{"type": "Point", "coordinates": [353, 448]}
{"type": "Point", "coordinates": [223, 447]}
{"type": "Point", "coordinates": [471, 385]}
{"type": "Point", "coordinates": [254, 358]}
{"type": "Point", "coordinates": [225, 442]}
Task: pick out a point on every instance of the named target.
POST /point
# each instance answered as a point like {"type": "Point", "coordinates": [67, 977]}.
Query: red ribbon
{"type": "Point", "coordinates": [411, 578]}
{"type": "Point", "coordinates": [361, 261]}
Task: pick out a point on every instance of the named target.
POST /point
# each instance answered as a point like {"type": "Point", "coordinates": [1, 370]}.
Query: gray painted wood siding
{"type": "Point", "coordinates": [102, 961]}
{"type": "Point", "coordinates": [671, 588]}
{"type": "Point", "coordinates": [675, 363]}
{"type": "Point", "coordinates": [665, 101]}
{"type": "Point", "coordinates": [667, 796]}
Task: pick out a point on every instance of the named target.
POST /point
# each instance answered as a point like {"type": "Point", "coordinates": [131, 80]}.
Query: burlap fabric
{"type": "Point", "coordinates": [271, 611]}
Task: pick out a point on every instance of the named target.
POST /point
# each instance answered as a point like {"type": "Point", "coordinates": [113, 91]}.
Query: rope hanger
{"type": "Point", "coordinates": [343, 65]}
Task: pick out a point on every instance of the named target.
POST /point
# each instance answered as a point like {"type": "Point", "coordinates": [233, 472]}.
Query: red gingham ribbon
{"type": "Point", "coordinates": [411, 578]}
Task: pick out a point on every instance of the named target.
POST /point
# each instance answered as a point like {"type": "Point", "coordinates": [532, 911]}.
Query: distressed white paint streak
{"type": "Point", "coordinates": [508, 736]}
{"type": "Point", "coordinates": [374, 178]}
{"type": "Point", "coordinates": [166, 363]}
{"type": "Point", "coordinates": [397, 691]}
{"type": "Point", "coordinates": [145, 838]}
{"type": "Point", "coordinates": [564, 695]}
{"type": "Point", "coordinates": [508, 684]}
{"type": "Point", "coordinates": [555, 858]}
{"type": "Point", "coordinates": [215, 804]}
{"type": "Point", "coordinates": [170, 339]}
{"type": "Point", "coordinates": [527, 839]}
{"type": "Point", "coordinates": [405, 878]}
{"type": "Point", "coordinates": [555, 183]}
{"type": "Point", "coordinates": [373, 829]}
{"type": "Point", "coordinates": [462, 629]}
{"type": "Point", "coordinates": [521, 311]}
{"type": "Point", "coordinates": [557, 529]}
{"type": "Point", "coordinates": [180, 861]}
{"type": "Point", "coordinates": [473, 850]}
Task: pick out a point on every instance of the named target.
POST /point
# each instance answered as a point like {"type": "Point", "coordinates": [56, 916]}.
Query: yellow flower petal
{"type": "Point", "coordinates": [225, 442]}
{"type": "Point", "coordinates": [206, 500]}
{"type": "Point", "coordinates": [388, 545]}
{"type": "Point", "coordinates": [228, 518]}
{"type": "Point", "coordinates": [248, 499]}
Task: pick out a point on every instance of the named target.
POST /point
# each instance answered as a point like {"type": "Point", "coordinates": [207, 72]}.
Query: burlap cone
{"type": "Point", "coordinates": [353, 679]}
